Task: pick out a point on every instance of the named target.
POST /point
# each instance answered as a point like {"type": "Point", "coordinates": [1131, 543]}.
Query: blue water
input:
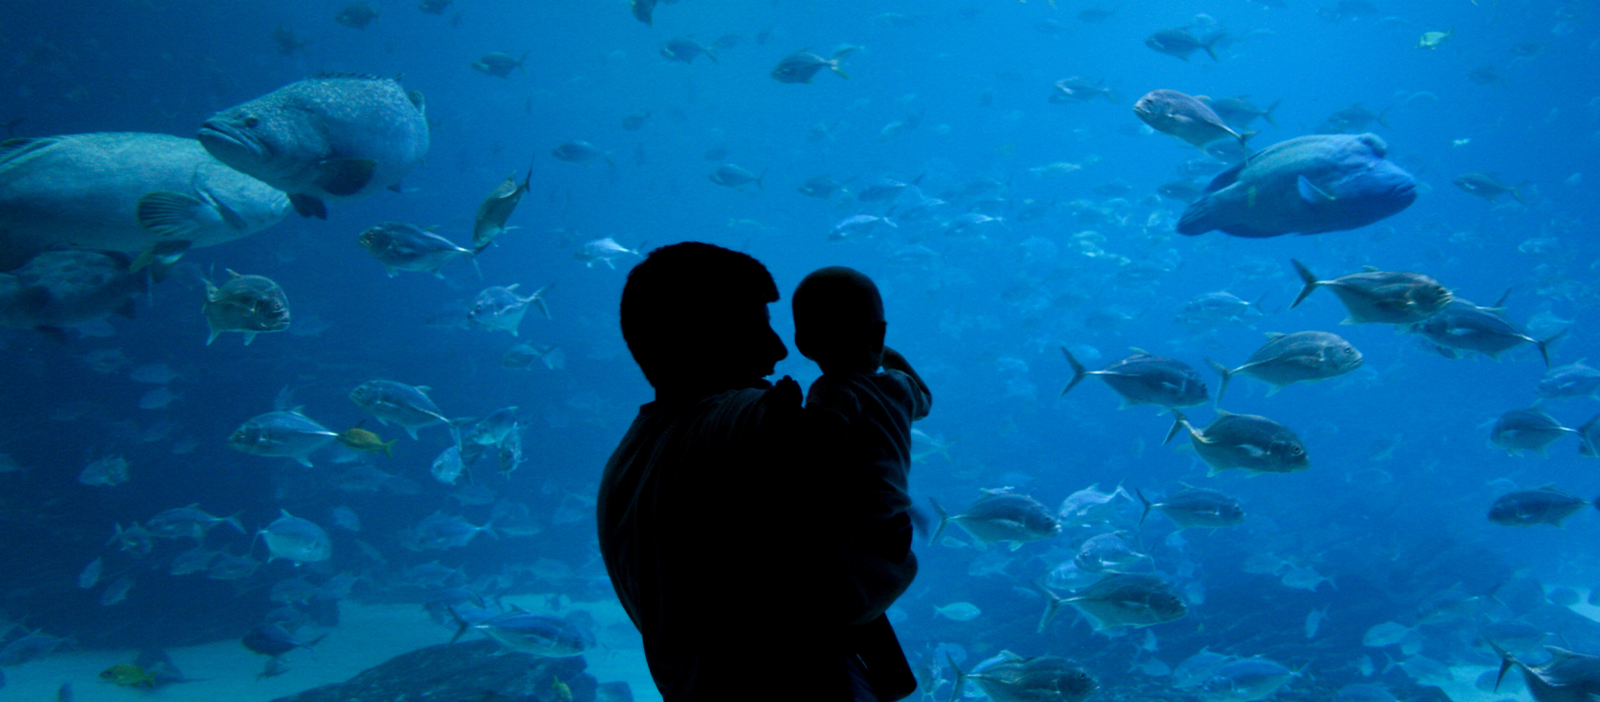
{"type": "Point", "coordinates": [983, 323]}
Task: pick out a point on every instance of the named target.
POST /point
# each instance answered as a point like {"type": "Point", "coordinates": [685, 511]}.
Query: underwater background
{"type": "Point", "coordinates": [951, 99]}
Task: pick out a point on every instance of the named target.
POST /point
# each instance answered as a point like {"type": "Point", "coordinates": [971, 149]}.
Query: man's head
{"type": "Point", "coordinates": [695, 318]}
{"type": "Point", "coordinates": [838, 320]}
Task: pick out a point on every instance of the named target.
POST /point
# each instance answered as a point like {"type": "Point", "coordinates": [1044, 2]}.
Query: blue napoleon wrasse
{"type": "Point", "coordinates": [1309, 185]}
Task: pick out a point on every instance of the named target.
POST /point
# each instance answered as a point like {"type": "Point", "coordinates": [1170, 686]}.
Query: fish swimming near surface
{"type": "Point", "coordinates": [1526, 508]}
{"type": "Point", "coordinates": [496, 209]}
{"type": "Point", "coordinates": [407, 247]}
{"type": "Point", "coordinates": [1380, 297]}
{"type": "Point", "coordinates": [1307, 185]}
{"type": "Point", "coordinates": [65, 288]}
{"type": "Point", "coordinates": [1244, 441]}
{"type": "Point", "coordinates": [801, 66]}
{"type": "Point", "coordinates": [249, 304]}
{"type": "Point", "coordinates": [330, 137]}
{"type": "Point", "coordinates": [1145, 379]}
{"type": "Point", "coordinates": [1174, 113]}
{"type": "Point", "coordinates": [1300, 357]}
{"type": "Point", "coordinates": [125, 192]}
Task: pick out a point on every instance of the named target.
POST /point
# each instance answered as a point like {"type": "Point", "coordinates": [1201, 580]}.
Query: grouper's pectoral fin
{"type": "Point", "coordinates": [1312, 194]}
{"type": "Point", "coordinates": [169, 213]}
{"type": "Point", "coordinates": [307, 206]}
{"type": "Point", "coordinates": [345, 176]}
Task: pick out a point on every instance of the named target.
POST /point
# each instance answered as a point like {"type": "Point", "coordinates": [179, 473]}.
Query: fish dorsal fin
{"type": "Point", "coordinates": [1275, 335]}
{"type": "Point", "coordinates": [1372, 269]}
{"type": "Point", "coordinates": [1139, 351]}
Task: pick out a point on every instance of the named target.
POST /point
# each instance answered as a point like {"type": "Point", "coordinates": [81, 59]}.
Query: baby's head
{"type": "Point", "coordinates": [838, 320]}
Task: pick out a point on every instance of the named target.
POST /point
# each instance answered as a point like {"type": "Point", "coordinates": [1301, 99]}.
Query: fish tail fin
{"type": "Point", "coordinates": [461, 624]}
{"type": "Point", "coordinates": [388, 449]}
{"type": "Point", "coordinates": [314, 641]}
{"type": "Point", "coordinates": [1178, 422]}
{"type": "Point", "coordinates": [1587, 447]}
{"type": "Point", "coordinates": [1383, 121]}
{"type": "Point", "coordinates": [1506, 661]}
{"type": "Point", "coordinates": [1516, 192]}
{"type": "Point", "coordinates": [1268, 114]}
{"type": "Point", "coordinates": [1544, 345]}
{"type": "Point", "coordinates": [234, 522]}
{"type": "Point", "coordinates": [1244, 142]}
{"type": "Point", "coordinates": [760, 178]}
{"type": "Point", "coordinates": [961, 677]}
{"type": "Point", "coordinates": [1147, 507]}
{"type": "Point", "coordinates": [944, 521]}
{"type": "Point", "coordinates": [1078, 372]}
{"type": "Point", "coordinates": [1211, 45]}
{"type": "Point", "coordinates": [1306, 276]}
{"type": "Point", "coordinates": [1226, 374]}
{"type": "Point", "coordinates": [1052, 606]}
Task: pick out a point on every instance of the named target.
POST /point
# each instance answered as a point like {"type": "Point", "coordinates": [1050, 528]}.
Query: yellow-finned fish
{"type": "Point", "coordinates": [1432, 40]}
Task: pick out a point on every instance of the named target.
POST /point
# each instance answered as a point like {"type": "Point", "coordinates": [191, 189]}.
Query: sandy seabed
{"type": "Point", "coordinates": [367, 635]}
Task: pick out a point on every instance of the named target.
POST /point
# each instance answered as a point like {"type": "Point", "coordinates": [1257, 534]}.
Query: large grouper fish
{"type": "Point", "coordinates": [330, 137]}
{"type": "Point", "coordinates": [1309, 185]}
{"type": "Point", "coordinates": [129, 192]}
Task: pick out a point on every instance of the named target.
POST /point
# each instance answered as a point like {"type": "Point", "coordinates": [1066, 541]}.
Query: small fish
{"type": "Point", "coordinates": [434, 7]}
{"type": "Point", "coordinates": [117, 591]}
{"type": "Point", "coordinates": [540, 635]}
{"type": "Point", "coordinates": [364, 440]}
{"type": "Point", "coordinates": [801, 66]}
{"type": "Point", "coordinates": [448, 466]}
{"type": "Point", "coordinates": [90, 576]}
{"type": "Point", "coordinates": [1144, 379]}
{"type": "Point", "coordinates": [1314, 620]}
{"type": "Point", "coordinates": [732, 176]}
{"type": "Point", "coordinates": [404, 405]}
{"type": "Point", "coordinates": [249, 304]}
{"type": "Point", "coordinates": [1380, 297]}
{"type": "Point", "coordinates": [356, 15]}
{"type": "Point", "coordinates": [272, 640]}
{"type": "Point", "coordinates": [283, 434]}
{"type": "Point", "coordinates": [127, 675]}
{"type": "Point", "coordinates": [822, 187]}
{"type": "Point", "coordinates": [1182, 116]}
{"type": "Point", "coordinates": [1571, 380]}
{"type": "Point", "coordinates": [634, 121]}
{"type": "Point", "coordinates": [604, 251]}
{"type": "Point", "coordinates": [1463, 326]}
{"type": "Point", "coordinates": [1122, 599]}
{"type": "Point", "coordinates": [1196, 507]}
{"type": "Point", "coordinates": [109, 471]}
{"type": "Point", "coordinates": [1386, 634]}
{"type": "Point", "coordinates": [407, 247]}
{"type": "Point", "coordinates": [685, 50]}
{"type": "Point", "coordinates": [288, 43]}
{"type": "Point", "coordinates": [1488, 186]}
{"type": "Point", "coordinates": [1080, 89]}
{"type": "Point", "coordinates": [582, 153]}
{"type": "Point", "coordinates": [1003, 517]}
{"type": "Point", "coordinates": [958, 611]}
{"type": "Point", "coordinates": [1526, 508]}
{"type": "Point", "coordinates": [499, 64]}
{"type": "Point", "coordinates": [1239, 111]}
{"type": "Point", "coordinates": [858, 225]}
{"type": "Point", "coordinates": [1432, 40]}
{"type": "Point", "coordinates": [496, 209]}
{"type": "Point", "coordinates": [1294, 358]}
{"type": "Point", "coordinates": [1180, 43]}
{"type": "Point", "coordinates": [187, 522]}
{"type": "Point", "coordinates": [1530, 429]}
{"type": "Point", "coordinates": [295, 539]}
{"type": "Point", "coordinates": [501, 308]}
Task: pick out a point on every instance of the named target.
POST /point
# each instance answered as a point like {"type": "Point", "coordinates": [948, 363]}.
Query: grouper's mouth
{"type": "Point", "coordinates": [228, 143]}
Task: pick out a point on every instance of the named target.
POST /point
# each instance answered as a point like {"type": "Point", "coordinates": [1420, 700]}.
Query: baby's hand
{"type": "Point", "coordinates": [892, 360]}
{"type": "Point", "coordinates": [785, 393]}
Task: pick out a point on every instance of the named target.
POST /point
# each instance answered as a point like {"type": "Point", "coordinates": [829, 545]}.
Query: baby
{"type": "Point", "coordinates": [863, 414]}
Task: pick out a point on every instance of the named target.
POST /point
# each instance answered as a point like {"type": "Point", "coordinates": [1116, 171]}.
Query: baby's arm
{"type": "Point", "coordinates": [892, 360]}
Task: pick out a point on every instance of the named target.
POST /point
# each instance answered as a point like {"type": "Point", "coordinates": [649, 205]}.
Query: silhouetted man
{"type": "Point", "coordinates": [717, 531]}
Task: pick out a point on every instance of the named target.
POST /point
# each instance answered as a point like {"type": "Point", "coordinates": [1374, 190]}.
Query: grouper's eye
{"type": "Point", "coordinates": [251, 122]}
